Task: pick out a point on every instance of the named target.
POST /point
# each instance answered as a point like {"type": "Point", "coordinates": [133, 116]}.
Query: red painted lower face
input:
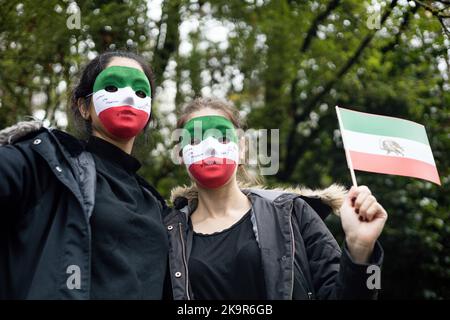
{"type": "Point", "coordinates": [124, 122]}
{"type": "Point", "coordinates": [212, 172]}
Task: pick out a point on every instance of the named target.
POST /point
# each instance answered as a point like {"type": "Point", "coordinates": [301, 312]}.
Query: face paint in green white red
{"type": "Point", "coordinates": [122, 100]}
{"type": "Point", "coordinates": [210, 150]}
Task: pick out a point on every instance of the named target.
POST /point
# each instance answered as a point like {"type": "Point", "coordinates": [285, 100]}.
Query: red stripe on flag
{"type": "Point", "coordinates": [394, 165]}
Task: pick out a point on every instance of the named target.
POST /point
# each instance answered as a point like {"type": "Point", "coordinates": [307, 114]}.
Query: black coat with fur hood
{"type": "Point", "coordinates": [300, 257]}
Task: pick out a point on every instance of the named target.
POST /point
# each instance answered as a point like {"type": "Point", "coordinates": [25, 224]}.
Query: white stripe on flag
{"type": "Point", "coordinates": [380, 145]}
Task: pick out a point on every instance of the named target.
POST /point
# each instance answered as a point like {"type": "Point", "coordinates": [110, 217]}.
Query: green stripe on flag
{"type": "Point", "coordinates": [382, 125]}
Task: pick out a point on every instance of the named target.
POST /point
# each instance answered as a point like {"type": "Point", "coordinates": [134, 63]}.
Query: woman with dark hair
{"type": "Point", "coordinates": [79, 223]}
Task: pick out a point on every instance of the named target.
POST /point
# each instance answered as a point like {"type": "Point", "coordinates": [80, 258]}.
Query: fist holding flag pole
{"type": "Point", "coordinates": [362, 219]}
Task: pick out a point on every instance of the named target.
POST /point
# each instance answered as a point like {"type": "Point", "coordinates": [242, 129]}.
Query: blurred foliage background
{"type": "Point", "coordinates": [285, 64]}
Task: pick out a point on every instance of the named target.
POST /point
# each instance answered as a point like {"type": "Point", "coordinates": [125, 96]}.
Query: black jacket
{"type": "Point", "coordinates": [300, 257]}
{"type": "Point", "coordinates": [47, 192]}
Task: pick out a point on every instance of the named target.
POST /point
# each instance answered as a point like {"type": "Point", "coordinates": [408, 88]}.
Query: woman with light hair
{"type": "Point", "coordinates": [231, 242]}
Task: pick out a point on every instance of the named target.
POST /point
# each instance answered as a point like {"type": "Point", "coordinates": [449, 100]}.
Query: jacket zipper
{"type": "Point", "coordinates": [309, 293]}
{"type": "Point", "coordinates": [185, 262]}
{"type": "Point", "coordinates": [293, 258]}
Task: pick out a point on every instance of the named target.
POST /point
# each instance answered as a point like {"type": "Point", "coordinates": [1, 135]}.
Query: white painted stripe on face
{"type": "Point", "coordinates": [123, 96]}
{"type": "Point", "coordinates": [388, 146]}
{"type": "Point", "coordinates": [210, 147]}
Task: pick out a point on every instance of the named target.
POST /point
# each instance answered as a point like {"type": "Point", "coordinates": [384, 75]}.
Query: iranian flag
{"type": "Point", "coordinates": [387, 145]}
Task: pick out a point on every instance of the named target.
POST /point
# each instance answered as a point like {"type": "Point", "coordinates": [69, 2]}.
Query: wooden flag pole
{"type": "Point", "coordinates": [349, 159]}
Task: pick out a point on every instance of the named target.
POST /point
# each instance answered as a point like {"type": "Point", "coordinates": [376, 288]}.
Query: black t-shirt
{"type": "Point", "coordinates": [129, 242]}
{"type": "Point", "coordinates": [227, 265]}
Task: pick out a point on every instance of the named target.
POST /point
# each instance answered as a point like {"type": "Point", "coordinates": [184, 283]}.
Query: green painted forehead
{"type": "Point", "coordinates": [208, 126]}
{"type": "Point", "coordinates": [122, 77]}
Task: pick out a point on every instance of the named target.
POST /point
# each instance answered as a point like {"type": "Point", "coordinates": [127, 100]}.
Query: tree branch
{"type": "Point", "coordinates": [312, 32]}
{"type": "Point", "coordinates": [293, 139]}
{"type": "Point", "coordinates": [171, 19]}
{"type": "Point", "coordinates": [344, 69]}
{"type": "Point", "coordinates": [318, 20]}
{"type": "Point", "coordinates": [403, 26]}
{"type": "Point", "coordinates": [440, 14]}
